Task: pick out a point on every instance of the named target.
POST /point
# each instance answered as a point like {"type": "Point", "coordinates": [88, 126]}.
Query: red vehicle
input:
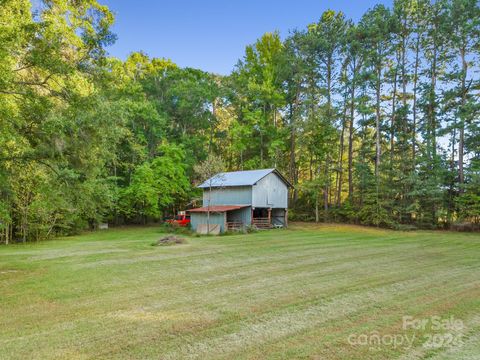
{"type": "Point", "coordinates": [181, 219]}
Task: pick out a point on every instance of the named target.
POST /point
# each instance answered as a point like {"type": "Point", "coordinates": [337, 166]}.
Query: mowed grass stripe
{"type": "Point", "coordinates": [123, 298]}
{"type": "Point", "coordinates": [293, 318]}
{"type": "Point", "coordinates": [295, 267]}
{"type": "Point", "coordinates": [395, 285]}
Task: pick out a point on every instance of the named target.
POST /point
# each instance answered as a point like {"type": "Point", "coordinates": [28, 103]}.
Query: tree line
{"type": "Point", "coordinates": [374, 122]}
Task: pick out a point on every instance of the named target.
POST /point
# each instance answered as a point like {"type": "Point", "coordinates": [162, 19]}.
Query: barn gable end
{"type": "Point", "coordinates": [270, 192]}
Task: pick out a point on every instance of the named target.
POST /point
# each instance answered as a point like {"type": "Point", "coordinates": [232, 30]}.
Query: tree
{"type": "Point", "coordinates": [464, 24]}
{"type": "Point", "coordinates": [378, 118]}
{"type": "Point", "coordinates": [210, 171]}
{"type": "Point", "coordinates": [259, 97]}
{"type": "Point", "coordinates": [156, 185]}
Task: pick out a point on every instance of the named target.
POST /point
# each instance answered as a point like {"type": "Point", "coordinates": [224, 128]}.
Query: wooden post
{"type": "Point", "coordinates": [251, 220]}
{"type": "Point", "coordinates": [286, 217]}
{"type": "Point", "coordinates": [269, 215]}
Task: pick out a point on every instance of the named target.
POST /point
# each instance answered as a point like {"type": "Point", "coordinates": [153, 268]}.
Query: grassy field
{"type": "Point", "coordinates": [309, 292]}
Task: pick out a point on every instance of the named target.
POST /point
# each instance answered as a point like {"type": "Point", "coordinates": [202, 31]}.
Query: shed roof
{"type": "Point", "coordinates": [218, 208]}
{"type": "Point", "coordinates": [240, 178]}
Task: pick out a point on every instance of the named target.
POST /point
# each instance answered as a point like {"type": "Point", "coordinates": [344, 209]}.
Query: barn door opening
{"type": "Point", "coordinates": [262, 218]}
{"type": "Point", "coordinates": [260, 213]}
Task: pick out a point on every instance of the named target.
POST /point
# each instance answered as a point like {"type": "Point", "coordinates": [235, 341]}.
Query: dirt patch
{"type": "Point", "coordinates": [170, 240]}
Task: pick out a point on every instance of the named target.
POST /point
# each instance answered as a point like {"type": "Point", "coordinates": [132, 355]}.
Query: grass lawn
{"type": "Point", "coordinates": [309, 292]}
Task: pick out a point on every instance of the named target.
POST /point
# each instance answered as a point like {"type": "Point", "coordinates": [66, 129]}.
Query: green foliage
{"type": "Point", "coordinates": [155, 185]}
{"type": "Point", "coordinates": [468, 202]}
{"type": "Point", "coordinates": [374, 122]}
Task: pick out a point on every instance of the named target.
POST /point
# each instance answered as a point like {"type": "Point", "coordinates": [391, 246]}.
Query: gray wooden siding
{"type": "Point", "coordinates": [239, 195]}
{"type": "Point", "coordinates": [201, 218]}
{"type": "Point", "coordinates": [278, 217]}
{"type": "Point", "coordinates": [242, 215]}
{"type": "Point", "coordinates": [270, 192]}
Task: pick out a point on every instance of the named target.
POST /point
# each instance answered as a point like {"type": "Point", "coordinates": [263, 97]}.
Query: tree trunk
{"type": "Point", "coordinates": [293, 145]}
{"type": "Point", "coordinates": [377, 123]}
{"type": "Point", "coordinates": [414, 106]}
{"type": "Point", "coordinates": [392, 123]}
{"type": "Point", "coordinates": [461, 143]}
{"type": "Point", "coordinates": [330, 120]}
{"type": "Point", "coordinates": [325, 191]}
{"type": "Point", "coordinates": [350, 137]}
{"type": "Point", "coordinates": [432, 122]}
{"type": "Point", "coordinates": [338, 199]}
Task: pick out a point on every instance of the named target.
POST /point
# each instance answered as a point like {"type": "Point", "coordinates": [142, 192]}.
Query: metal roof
{"type": "Point", "coordinates": [218, 208]}
{"type": "Point", "coordinates": [239, 178]}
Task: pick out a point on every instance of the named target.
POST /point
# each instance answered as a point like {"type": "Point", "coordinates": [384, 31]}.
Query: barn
{"type": "Point", "coordinates": [242, 198]}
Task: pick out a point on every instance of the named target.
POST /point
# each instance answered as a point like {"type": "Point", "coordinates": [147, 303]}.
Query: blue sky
{"type": "Point", "coordinates": [211, 34]}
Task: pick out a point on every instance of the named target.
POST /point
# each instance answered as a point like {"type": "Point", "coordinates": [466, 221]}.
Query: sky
{"type": "Point", "coordinates": [212, 34]}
